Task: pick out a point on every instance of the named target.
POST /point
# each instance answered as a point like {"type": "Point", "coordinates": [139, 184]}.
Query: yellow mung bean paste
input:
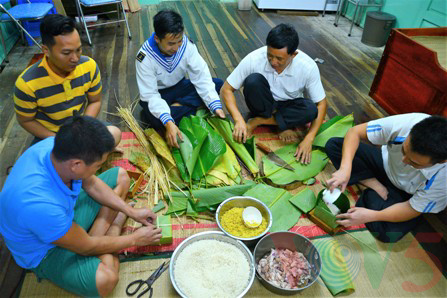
{"type": "Point", "coordinates": [233, 223]}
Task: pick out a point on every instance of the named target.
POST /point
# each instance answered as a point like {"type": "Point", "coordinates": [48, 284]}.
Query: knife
{"type": "Point", "coordinates": [274, 157]}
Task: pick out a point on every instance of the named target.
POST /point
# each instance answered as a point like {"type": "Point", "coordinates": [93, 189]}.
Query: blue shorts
{"type": "Point", "coordinates": [68, 270]}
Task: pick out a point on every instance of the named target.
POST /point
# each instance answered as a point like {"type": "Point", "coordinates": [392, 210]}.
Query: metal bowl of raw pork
{"type": "Point", "coordinates": [286, 262]}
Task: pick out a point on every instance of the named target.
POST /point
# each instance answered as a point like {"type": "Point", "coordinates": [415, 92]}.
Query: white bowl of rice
{"type": "Point", "coordinates": [211, 264]}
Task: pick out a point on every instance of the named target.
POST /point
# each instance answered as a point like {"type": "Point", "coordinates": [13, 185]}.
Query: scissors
{"type": "Point", "coordinates": [149, 282]}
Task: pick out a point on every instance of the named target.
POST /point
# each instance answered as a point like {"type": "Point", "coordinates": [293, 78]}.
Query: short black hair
{"type": "Point", "coordinates": [83, 137]}
{"type": "Point", "coordinates": [283, 35]}
{"type": "Point", "coordinates": [429, 138]}
{"type": "Point", "coordinates": [53, 25]}
{"type": "Point", "coordinates": [168, 22]}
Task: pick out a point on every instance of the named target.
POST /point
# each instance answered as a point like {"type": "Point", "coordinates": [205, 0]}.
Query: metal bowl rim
{"type": "Point", "coordinates": [259, 276]}
{"type": "Point", "coordinates": [187, 241]}
{"type": "Point", "coordinates": [250, 198]}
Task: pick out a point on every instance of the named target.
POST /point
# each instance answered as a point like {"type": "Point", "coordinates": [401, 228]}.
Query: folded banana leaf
{"type": "Point", "coordinates": [284, 214]}
{"type": "Point", "coordinates": [226, 170]}
{"type": "Point", "coordinates": [323, 212]}
{"type": "Point", "coordinates": [305, 200]}
{"type": "Point", "coordinates": [160, 146]}
{"type": "Point", "coordinates": [335, 271]}
{"type": "Point", "coordinates": [201, 146]}
{"type": "Point", "coordinates": [246, 152]}
{"type": "Point", "coordinates": [335, 127]}
{"type": "Point", "coordinates": [140, 160]}
{"type": "Point", "coordinates": [281, 176]}
{"type": "Point", "coordinates": [207, 199]}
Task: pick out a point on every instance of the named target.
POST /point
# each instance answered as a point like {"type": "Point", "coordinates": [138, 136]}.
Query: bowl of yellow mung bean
{"type": "Point", "coordinates": [230, 221]}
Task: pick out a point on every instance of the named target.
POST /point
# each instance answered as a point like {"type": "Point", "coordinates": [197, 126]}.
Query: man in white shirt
{"type": "Point", "coordinates": [275, 78]}
{"type": "Point", "coordinates": [406, 177]}
{"type": "Point", "coordinates": [162, 64]}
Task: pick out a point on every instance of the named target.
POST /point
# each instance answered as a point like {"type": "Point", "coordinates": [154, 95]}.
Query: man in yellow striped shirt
{"type": "Point", "coordinates": [64, 82]}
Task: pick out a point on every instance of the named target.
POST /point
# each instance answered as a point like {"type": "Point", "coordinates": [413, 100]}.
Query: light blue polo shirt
{"type": "Point", "coordinates": [36, 207]}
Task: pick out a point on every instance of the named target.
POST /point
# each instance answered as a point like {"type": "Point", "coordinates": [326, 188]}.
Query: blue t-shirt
{"type": "Point", "coordinates": [36, 207]}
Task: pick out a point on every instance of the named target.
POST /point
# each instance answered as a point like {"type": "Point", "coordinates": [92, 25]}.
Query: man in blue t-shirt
{"type": "Point", "coordinates": [64, 223]}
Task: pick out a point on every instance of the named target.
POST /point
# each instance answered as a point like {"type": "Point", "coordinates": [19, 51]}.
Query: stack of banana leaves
{"type": "Point", "coordinates": [206, 156]}
{"type": "Point", "coordinates": [335, 127]}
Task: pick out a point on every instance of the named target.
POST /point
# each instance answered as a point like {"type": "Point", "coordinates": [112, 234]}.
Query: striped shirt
{"type": "Point", "coordinates": [429, 185]}
{"type": "Point", "coordinates": [51, 99]}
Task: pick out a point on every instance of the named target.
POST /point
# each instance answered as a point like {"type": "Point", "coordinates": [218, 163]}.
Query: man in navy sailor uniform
{"type": "Point", "coordinates": [162, 64]}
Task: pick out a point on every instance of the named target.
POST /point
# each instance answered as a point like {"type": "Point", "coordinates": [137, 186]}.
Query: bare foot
{"type": "Point", "coordinates": [288, 136]}
{"type": "Point", "coordinates": [252, 123]}
{"type": "Point", "coordinates": [374, 184]}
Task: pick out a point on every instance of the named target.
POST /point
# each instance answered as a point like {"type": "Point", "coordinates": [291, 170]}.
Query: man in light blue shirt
{"type": "Point", "coordinates": [60, 220]}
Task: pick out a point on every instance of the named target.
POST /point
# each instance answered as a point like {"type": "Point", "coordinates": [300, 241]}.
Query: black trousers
{"type": "Point", "coordinates": [368, 163]}
{"type": "Point", "coordinates": [289, 114]}
{"type": "Point", "coordinates": [185, 94]}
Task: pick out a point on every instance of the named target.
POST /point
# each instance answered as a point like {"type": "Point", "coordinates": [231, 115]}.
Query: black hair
{"type": "Point", "coordinates": [283, 35]}
{"type": "Point", "coordinates": [53, 25]}
{"type": "Point", "coordinates": [167, 22]}
{"type": "Point", "coordinates": [429, 138]}
{"type": "Point", "coordinates": [84, 138]}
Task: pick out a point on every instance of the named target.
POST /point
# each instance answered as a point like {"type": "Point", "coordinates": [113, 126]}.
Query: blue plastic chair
{"type": "Point", "coordinates": [93, 3]}
{"type": "Point", "coordinates": [24, 12]}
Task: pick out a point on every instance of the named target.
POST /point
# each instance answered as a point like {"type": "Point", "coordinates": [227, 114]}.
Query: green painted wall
{"type": "Point", "coordinates": [411, 13]}
{"type": "Point", "coordinates": [10, 34]}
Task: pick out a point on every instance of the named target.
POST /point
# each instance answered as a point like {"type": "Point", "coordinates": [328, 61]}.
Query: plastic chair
{"type": "Point", "coordinates": [93, 3]}
{"type": "Point", "coordinates": [21, 13]}
{"type": "Point", "coordinates": [358, 4]}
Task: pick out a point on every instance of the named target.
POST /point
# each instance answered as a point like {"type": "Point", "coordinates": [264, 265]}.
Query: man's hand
{"type": "Point", "coordinates": [143, 215]}
{"type": "Point", "coordinates": [240, 131]}
{"type": "Point", "coordinates": [147, 235]}
{"type": "Point", "coordinates": [220, 113]}
{"type": "Point", "coordinates": [355, 216]}
{"type": "Point", "coordinates": [172, 132]}
{"type": "Point", "coordinates": [304, 151]}
{"type": "Point", "coordinates": [339, 178]}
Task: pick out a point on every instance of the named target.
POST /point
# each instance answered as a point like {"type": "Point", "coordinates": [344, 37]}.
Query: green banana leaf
{"type": "Point", "coordinates": [323, 212]}
{"type": "Point", "coordinates": [305, 200]}
{"type": "Point", "coordinates": [336, 127]}
{"type": "Point", "coordinates": [176, 154]}
{"type": "Point", "coordinates": [201, 147]}
{"type": "Point", "coordinates": [281, 176]}
{"type": "Point", "coordinates": [207, 199]}
{"type": "Point", "coordinates": [284, 214]}
{"type": "Point", "coordinates": [335, 272]}
{"type": "Point", "coordinates": [225, 129]}
{"type": "Point", "coordinates": [226, 170]}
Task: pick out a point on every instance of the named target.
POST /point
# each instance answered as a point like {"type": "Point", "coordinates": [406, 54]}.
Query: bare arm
{"type": "Point", "coordinates": [78, 241]}
{"type": "Point", "coordinates": [104, 195]}
{"type": "Point", "coordinates": [396, 213]}
{"type": "Point", "coordinates": [304, 151]}
{"type": "Point", "coordinates": [240, 127]}
{"type": "Point", "coordinates": [350, 146]}
{"type": "Point", "coordinates": [31, 125]}
{"type": "Point", "coordinates": [94, 105]}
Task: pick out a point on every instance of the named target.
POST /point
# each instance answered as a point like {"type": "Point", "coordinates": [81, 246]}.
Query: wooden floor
{"type": "Point", "coordinates": [223, 36]}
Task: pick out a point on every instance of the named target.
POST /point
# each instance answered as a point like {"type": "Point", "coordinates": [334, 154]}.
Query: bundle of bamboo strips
{"type": "Point", "coordinates": [158, 177]}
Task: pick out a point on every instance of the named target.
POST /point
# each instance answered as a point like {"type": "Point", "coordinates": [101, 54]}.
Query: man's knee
{"type": "Point", "coordinates": [253, 81]}
{"type": "Point", "coordinates": [123, 180]}
{"type": "Point", "coordinates": [333, 148]}
{"type": "Point", "coordinates": [116, 133]}
{"type": "Point", "coordinates": [106, 279]}
{"type": "Point", "coordinates": [218, 84]}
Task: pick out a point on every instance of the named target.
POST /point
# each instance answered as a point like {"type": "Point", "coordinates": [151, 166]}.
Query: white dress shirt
{"type": "Point", "coordinates": [300, 75]}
